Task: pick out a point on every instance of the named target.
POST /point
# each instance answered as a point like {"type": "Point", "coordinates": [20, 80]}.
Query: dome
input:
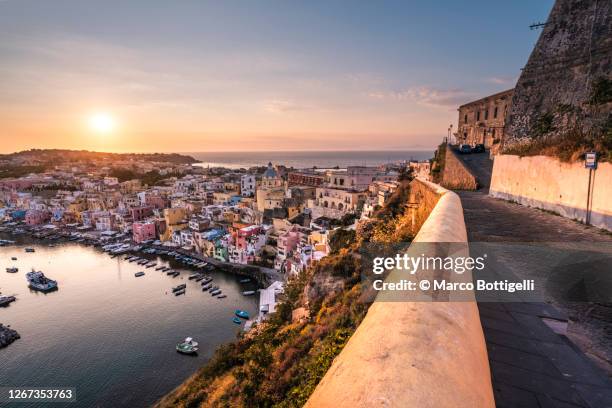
{"type": "Point", "coordinates": [270, 172]}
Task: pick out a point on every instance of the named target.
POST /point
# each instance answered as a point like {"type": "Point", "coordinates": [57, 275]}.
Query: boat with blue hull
{"type": "Point", "coordinates": [38, 281]}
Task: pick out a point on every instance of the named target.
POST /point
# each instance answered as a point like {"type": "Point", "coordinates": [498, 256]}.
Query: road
{"type": "Point", "coordinates": [532, 365]}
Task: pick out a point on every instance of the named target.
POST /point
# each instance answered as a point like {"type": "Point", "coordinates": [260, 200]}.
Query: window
{"type": "Point", "coordinates": [495, 113]}
{"type": "Point", "coordinates": [478, 115]}
{"type": "Point", "coordinates": [486, 114]}
{"type": "Point", "coordinates": [465, 118]}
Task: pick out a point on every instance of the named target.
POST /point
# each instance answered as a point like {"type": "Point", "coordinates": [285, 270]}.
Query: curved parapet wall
{"type": "Point", "coordinates": [415, 354]}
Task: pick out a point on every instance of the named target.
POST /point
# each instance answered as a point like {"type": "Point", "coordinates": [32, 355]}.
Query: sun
{"type": "Point", "coordinates": [102, 122]}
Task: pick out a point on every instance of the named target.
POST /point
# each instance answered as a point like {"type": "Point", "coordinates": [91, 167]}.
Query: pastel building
{"type": "Point", "coordinates": [143, 231]}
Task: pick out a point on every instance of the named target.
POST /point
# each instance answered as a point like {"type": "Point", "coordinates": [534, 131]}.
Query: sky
{"type": "Point", "coordinates": [194, 76]}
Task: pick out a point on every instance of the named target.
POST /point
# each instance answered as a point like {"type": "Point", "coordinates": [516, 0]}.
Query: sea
{"type": "Point", "coordinates": [105, 333]}
{"type": "Point", "coordinates": [308, 159]}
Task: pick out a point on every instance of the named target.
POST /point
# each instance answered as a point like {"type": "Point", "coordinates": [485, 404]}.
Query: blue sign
{"type": "Point", "coordinates": [590, 160]}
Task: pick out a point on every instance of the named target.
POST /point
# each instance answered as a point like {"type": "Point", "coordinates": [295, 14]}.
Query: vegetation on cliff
{"type": "Point", "coordinates": [281, 361]}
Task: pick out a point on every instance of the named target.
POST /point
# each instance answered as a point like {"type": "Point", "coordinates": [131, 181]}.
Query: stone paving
{"type": "Point", "coordinates": [532, 365]}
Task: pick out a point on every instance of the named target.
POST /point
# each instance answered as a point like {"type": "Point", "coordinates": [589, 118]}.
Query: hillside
{"type": "Point", "coordinates": [57, 156]}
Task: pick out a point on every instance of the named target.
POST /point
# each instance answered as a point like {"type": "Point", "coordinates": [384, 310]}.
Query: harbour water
{"type": "Point", "coordinates": [306, 159]}
{"type": "Point", "coordinates": [106, 333]}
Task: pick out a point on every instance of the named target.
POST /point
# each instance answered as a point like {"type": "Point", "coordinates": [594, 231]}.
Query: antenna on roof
{"type": "Point", "coordinates": [537, 25]}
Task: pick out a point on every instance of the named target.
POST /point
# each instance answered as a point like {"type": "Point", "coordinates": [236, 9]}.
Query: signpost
{"type": "Point", "coordinates": [590, 162]}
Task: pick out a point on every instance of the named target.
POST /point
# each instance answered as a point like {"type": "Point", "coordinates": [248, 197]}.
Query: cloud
{"type": "Point", "coordinates": [281, 106]}
{"type": "Point", "coordinates": [502, 80]}
{"type": "Point", "coordinates": [427, 96]}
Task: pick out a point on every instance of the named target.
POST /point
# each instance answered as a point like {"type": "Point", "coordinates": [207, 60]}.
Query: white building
{"type": "Point", "coordinates": [248, 183]}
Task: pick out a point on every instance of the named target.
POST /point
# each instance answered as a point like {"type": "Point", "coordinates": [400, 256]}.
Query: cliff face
{"type": "Point", "coordinates": [567, 82]}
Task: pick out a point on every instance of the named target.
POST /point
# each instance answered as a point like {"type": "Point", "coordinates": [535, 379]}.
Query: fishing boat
{"type": "Point", "coordinates": [245, 280]}
{"type": "Point", "coordinates": [206, 281]}
{"type": "Point", "coordinates": [189, 346]}
{"type": "Point", "coordinates": [221, 296]}
{"type": "Point", "coordinates": [241, 313]}
{"type": "Point", "coordinates": [215, 292]}
{"type": "Point", "coordinates": [12, 269]}
{"type": "Point", "coordinates": [248, 292]}
{"type": "Point", "coordinates": [159, 268]}
{"type": "Point", "coordinates": [174, 274]}
{"type": "Point", "coordinates": [213, 288]}
{"type": "Point", "coordinates": [179, 292]}
{"type": "Point", "coordinates": [13, 258]}
{"type": "Point", "coordinates": [139, 274]}
{"type": "Point", "coordinates": [6, 300]}
{"type": "Point", "coordinates": [151, 264]}
{"type": "Point", "coordinates": [236, 320]}
{"type": "Point", "coordinates": [30, 250]}
{"type": "Point", "coordinates": [206, 287]}
{"type": "Point", "coordinates": [179, 287]}
{"type": "Point", "coordinates": [199, 278]}
{"type": "Point", "coordinates": [39, 281]}
{"type": "Point", "coordinates": [194, 276]}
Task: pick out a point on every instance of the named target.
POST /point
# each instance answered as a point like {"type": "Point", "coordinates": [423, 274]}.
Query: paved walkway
{"type": "Point", "coordinates": [532, 365]}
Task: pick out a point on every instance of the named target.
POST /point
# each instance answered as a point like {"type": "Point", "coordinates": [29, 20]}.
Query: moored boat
{"type": "Point", "coordinates": [6, 300]}
{"type": "Point", "coordinates": [189, 346]}
{"type": "Point", "coordinates": [138, 274]}
{"type": "Point", "coordinates": [12, 269]}
{"type": "Point", "coordinates": [30, 250]}
{"type": "Point", "coordinates": [221, 296]}
{"type": "Point", "coordinates": [179, 287]}
{"type": "Point", "coordinates": [241, 313]}
{"type": "Point", "coordinates": [179, 292]}
{"type": "Point", "coordinates": [248, 292]}
{"type": "Point", "coordinates": [39, 281]}
{"type": "Point", "coordinates": [236, 320]}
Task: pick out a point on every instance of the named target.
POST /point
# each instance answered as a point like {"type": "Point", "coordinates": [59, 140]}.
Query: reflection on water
{"type": "Point", "coordinates": [110, 335]}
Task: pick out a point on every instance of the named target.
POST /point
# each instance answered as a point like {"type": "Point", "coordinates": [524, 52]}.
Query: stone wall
{"type": "Point", "coordinates": [553, 92]}
{"type": "Point", "coordinates": [415, 354]}
{"type": "Point", "coordinates": [455, 175]}
{"type": "Point", "coordinates": [546, 183]}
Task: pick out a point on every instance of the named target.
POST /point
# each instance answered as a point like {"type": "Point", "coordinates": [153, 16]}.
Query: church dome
{"type": "Point", "coordinates": [270, 172]}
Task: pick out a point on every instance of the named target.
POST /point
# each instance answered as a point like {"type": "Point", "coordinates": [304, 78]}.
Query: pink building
{"type": "Point", "coordinates": [36, 217]}
{"type": "Point", "coordinates": [143, 231]}
{"type": "Point", "coordinates": [243, 234]}
{"type": "Point", "coordinates": [140, 213]}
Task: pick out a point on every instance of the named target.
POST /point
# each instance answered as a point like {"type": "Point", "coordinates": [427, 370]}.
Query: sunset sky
{"type": "Point", "coordinates": [192, 76]}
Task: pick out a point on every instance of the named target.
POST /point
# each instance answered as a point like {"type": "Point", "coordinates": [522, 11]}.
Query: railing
{"type": "Point", "coordinates": [415, 354]}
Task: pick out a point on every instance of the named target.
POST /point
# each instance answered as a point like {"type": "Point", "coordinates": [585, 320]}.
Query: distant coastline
{"type": "Point", "coordinates": [307, 159]}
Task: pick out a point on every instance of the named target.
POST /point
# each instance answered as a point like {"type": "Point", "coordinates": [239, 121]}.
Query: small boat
{"type": "Point", "coordinates": [206, 281]}
{"type": "Point", "coordinates": [13, 258]}
{"type": "Point", "coordinates": [199, 278]}
{"type": "Point", "coordinates": [213, 288]}
{"type": "Point", "coordinates": [221, 296]}
{"type": "Point", "coordinates": [6, 300]}
{"type": "Point", "coordinates": [179, 292]}
{"type": "Point", "coordinates": [248, 292]}
{"type": "Point", "coordinates": [194, 276]}
{"type": "Point", "coordinates": [13, 269]}
{"type": "Point", "coordinates": [174, 274]}
{"type": "Point", "coordinates": [138, 274]}
{"type": "Point", "coordinates": [241, 313]}
{"type": "Point", "coordinates": [206, 287]}
{"type": "Point", "coordinates": [159, 268]}
{"type": "Point", "coordinates": [30, 250]}
{"type": "Point", "coordinates": [236, 320]}
{"type": "Point", "coordinates": [189, 346]}
{"type": "Point", "coordinates": [245, 280]}
{"type": "Point", "coordinates": [179, 287]}
{"type": "Point", "coordinates": [151, 264]}
{"type": "Point", "coordinates": [215, 292]}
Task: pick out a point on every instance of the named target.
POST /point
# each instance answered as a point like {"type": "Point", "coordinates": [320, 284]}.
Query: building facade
{"type": "Point", "coordinates": [482, 121]}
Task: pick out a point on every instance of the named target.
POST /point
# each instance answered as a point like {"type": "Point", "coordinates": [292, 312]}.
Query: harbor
{"type": "Point", "coordinates": [105, 331]}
